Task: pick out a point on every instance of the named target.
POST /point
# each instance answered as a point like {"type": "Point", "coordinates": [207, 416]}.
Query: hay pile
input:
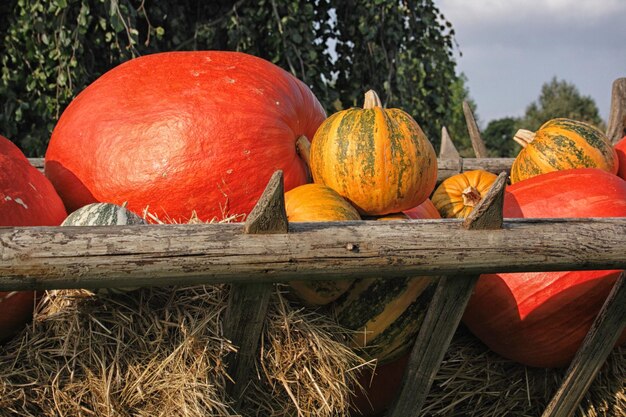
{"type": "Point", "coordinates": [474, 381]}
{"type": "Point", "coordinates": [159, 352]}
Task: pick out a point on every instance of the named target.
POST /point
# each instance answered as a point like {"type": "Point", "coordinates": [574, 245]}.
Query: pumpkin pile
{"type": "Point", "coordinates": [176, 136]}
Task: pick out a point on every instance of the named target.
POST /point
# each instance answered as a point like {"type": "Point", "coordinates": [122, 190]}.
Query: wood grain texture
{"type": "Point", "coordinates": [447, 149]}
{"type": "Point", "coordinates": [248, 302]}
{"type": "Point", "coordinates": [445, 312]}
{"type": "Point", "coordinates": [156, 255]}
{"type": "Point", "coordinates": [596, 347]}
{"type": "Point", "coordinates": [477, 142]}
{"type": "Point", "coordinates": [616, 128]}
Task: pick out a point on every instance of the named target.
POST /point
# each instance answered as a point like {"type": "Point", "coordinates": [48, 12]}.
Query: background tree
{"type": "Point", "coordinates": [52, 49]}
{"type": "Point", "coordinates": [559, 98]}
{"type": "Point", "coordinates": [498, 137]}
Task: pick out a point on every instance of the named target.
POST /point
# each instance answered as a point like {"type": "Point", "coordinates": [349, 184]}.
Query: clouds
{"type": "Point", "coordinates": [511, 47]}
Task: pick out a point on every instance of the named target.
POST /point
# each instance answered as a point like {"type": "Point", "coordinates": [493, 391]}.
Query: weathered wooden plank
{"type": "Point", "coordinates": [444, 313]}
{"type": "Point", "coordinates": [596, 347]}
{"type": "Point", "coordinates": [144, 255]}
{"type": "Point", "coordinates": [447, 149]}
{"type": "Point", "coordinates": [477, 142]}
{"type": "Point", "coordinates": [616, 128]}
{"type": "Point", "coordinates": [247, 303]}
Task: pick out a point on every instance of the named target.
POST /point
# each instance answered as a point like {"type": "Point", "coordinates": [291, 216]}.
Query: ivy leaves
{"type": "Point", "coordinates": [55, 48]}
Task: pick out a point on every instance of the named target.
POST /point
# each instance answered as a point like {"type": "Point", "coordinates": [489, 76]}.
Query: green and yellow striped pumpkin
{"type": "Point", "coordinates": [385, 314]}
{"type": "Point", "coordinates": [561, 144]}
{"type": "Point", "coordinates": [379, 159]}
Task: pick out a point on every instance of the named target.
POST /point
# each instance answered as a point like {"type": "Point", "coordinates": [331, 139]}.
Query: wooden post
{"type": "Point", "coordinates": [444, 314]}
{"type": "Point", "coordinates": [606, 329]}
{"type": "Point", "coordinates": [617, 116]}
{"type": "Point", "coordinates": [477, 142]}
{"type": "Point", "coordinates": [447, 149]}
{"type": "Point", "coordinates": [247, 303]}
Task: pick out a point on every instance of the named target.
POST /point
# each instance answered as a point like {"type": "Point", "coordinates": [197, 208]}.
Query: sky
{"type": "Point", "coordinates": [509, 48]}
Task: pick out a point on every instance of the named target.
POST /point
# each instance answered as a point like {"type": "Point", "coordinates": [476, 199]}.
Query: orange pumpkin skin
{"type": "Point", "coordinates": [620, 148]}
{"type": "Point", "coordinates": [457, 195]}
{"type": "Point", "coordinates": [27, 198]}
{"type": "Point", "coordinates": [379, 159]}
{"type": "Point", "coordinates": [318, 203]}
{"type": "Point", "coordinates": [541, 318]}
{"type": "Point", "coordinates": [177, 132]}
{"type": "Point", "coordinates": [426, 210]}
{"type": "Point", "coordinates": [561, 144]}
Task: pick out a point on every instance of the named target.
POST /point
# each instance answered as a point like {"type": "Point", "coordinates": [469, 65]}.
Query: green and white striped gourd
{"type": "Point", "coordinates": [104, 214]}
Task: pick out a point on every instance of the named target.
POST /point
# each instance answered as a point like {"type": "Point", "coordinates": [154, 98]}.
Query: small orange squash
{"type": "Point", "coordinates": [379, 159]}
{"type": "Point", "coordinates": [457, 195]}
{"type": "Point", "coordinates": [318, 203]}
{"type": "Point", "coordinates": [561, 144]}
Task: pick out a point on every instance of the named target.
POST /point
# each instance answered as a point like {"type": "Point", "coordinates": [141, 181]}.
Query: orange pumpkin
{"type": "Point", "coordinates": [318, 203]}
{"type": "Point", "coordinates": [457, 195]}
{"type": "Point", "coordinates": [561, 144]}
{"type": "Point", "coordinates": [379, 159]}
{"type": "Point", "coordinates": [620, 148]}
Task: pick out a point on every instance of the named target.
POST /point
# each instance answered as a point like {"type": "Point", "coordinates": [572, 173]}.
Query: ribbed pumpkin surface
{"type": "Point", "coordinates": [385, 313]}
{"type": "Point", "coordinates": [457, 195]}
{"type": "Point", "coordinates": [379, 159]}
{"type": "Point", "coordinates": [27, 198]}
{"type": "Point", "coordinates": [182, 133]}
{"type": "Point", "coordinates": [318, 203]}
{"type": "Point", "coordinates": [564, 144]}
{"type": "Point", "coordinates": [541, 318]}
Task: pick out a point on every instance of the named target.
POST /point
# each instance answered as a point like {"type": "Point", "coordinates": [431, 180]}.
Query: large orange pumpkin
{"type": "Point", "coordinates": [179, 132]}
{"type": "Point", "coordinates": [379, 159]}
{"type": "Point", "coordinates": [541, 318]}
{"type": "Point", "coordinates": [457, 195]}
{"type": "Point", "coordinates": [562, 144]}
{"type": "Point", "coordinates": [620, 148]}
{"type": "Point", "coordinates": [318, 203]}
{"type": "Point", "coordinates": [26, 199]}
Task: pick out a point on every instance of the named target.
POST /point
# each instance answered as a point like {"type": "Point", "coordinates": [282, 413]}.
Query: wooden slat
{"type": "Point", "coordinates": [444, 313]}
{"type": "Point", "coordinates": [477, 142]}
{"type": "Point", "coordinates": [247, 303]}
{"type": "Point", "coordinates": [596, 347]}
{"type": "Point", "coordinates": [145, 255]}
{"type": "Point", "coordinates": [616, 128]}
{"type": "Point", "coordinates": [447, 149]}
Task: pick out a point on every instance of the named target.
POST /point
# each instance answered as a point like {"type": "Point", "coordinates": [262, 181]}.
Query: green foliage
{"type": "Point", "coordinates": [52, 49]}
{"type": "Point", "coordinates": [498, 137]}
{"type": "Point", "coordinates": [561, 99]}
{"type": "Point", "coordinates": [456, 125]}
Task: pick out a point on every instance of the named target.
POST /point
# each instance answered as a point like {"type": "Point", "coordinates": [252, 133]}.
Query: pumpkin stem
{"type": "Point", "coordinates": [303, 147]}
{"type": "Point", "coordinates": [471, 196]}
{"type": "Point", "coordinates": [372, 100]}
{"type": "Point", "coordinates": [524, 137]}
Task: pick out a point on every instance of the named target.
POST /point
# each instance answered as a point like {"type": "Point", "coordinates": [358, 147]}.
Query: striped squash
{"type": "Point", "coordinates": [379, 159]}
{"type": "Point", "coordinates": [457, 195]}
{"type": "Point", "coordinates": [385, 314]}
{"type": "Point", "coordinates": [104, 214]}
{"type": "Point", "coordinates": [561, 144]}
{"type": "Point", "coordinates": [318, 203]}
